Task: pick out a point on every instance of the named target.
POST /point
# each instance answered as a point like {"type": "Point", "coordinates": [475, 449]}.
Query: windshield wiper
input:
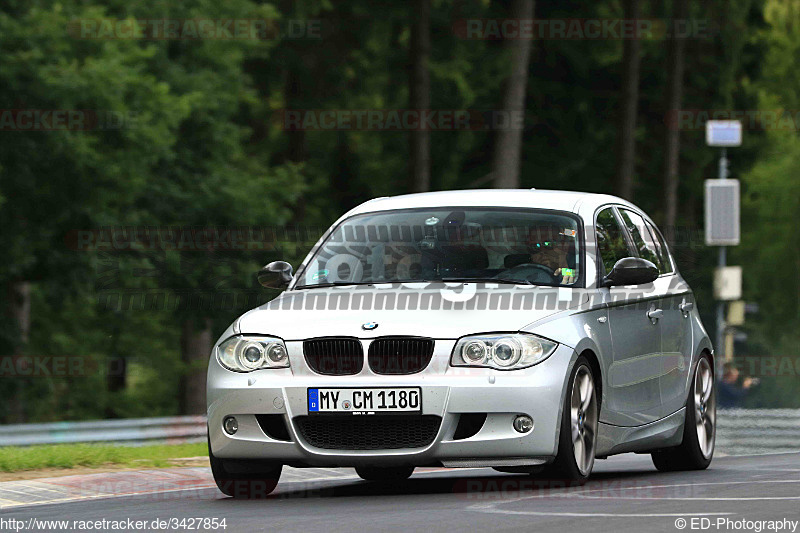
{"type": "Point", "coordinates": [501, 281]}
{"type": "Point", "coordinates": [335, 284]}
{"type": "Point", "coordinates": [487, 280]}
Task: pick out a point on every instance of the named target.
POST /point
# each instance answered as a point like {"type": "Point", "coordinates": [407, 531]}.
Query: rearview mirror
{"type": "Point", "coordinates": [276, 275]}
{"type": "Point", "coordinates": [631, 271]}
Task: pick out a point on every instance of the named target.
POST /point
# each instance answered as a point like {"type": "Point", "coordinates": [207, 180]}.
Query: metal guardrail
{"type": "Point", "coordinates": [755, 431]}
{"type": "Point", "coordinates": [739, 431]}
{"type": "Point", "coordinates": [131, 431]}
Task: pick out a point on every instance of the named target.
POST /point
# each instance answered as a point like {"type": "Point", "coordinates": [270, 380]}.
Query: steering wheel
{"type": "Point", "coordinates": [533, 272]}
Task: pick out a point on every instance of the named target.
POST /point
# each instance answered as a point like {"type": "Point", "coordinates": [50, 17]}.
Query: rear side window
{"type": "Point", "coordinates": [642, 238]}
{"type": "Point", "coordinates": [661, 249]}
{"type": "Point", "coordinates": [611, 243]}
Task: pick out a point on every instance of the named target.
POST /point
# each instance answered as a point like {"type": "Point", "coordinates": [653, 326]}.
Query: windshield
{"type": "Point", "coordinates": [523, 246]}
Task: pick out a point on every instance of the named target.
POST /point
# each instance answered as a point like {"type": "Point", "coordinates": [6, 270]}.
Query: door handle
{"type": "Point", "coordinates": [655, 314]}
{"type": "Point", "coordinates": [685, 307]}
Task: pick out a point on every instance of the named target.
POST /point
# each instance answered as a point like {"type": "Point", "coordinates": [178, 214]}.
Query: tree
{"type": "Point", "coordinates": [419, 98]}
{"type": "Point", "coordinates": [626, 142]}
{"type": "Point", "coordinates": [771, 188]}
{"type": "Point", "coordinates": [182, 160]}
{"type": "Point", "coordinates": [205, 152]}
{"type": "Point", "coordinates": [508, 144]}
{"type": "Point", "coordinates": [87, 175]}
{"type": "Point", "coordinates": [675, 66]}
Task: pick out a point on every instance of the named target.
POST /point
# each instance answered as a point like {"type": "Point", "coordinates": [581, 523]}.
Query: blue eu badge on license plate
{"type": "Point", "coordinates": [313, 400]}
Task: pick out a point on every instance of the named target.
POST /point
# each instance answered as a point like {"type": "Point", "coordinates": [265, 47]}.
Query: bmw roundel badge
{"type": "Point", "coordinates": [369, 326]}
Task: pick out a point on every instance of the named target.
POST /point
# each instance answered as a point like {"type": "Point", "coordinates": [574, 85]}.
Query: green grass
{"type": "Point", "coordinates": [19, 458]}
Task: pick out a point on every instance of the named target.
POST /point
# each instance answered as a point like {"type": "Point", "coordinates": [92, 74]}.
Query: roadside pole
{"type": "Point", "coordinates": [720, 343]}
{"type": "Point", "coordinates": [722, 262]}
{"type": "Point", "coordinates": [722, 223]}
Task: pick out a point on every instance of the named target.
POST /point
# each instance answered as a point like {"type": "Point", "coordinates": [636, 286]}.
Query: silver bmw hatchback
{"type": "Point", "coordinates": [525, 330]}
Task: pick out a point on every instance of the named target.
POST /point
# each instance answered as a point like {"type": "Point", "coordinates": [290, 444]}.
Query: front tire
{"type": "Point", "coordinates": [699, 429]}
{"type": "Point", "coordinates": [384, 473]}
{"type": "Point", "coordinates": [245, 479]}
{"type": "Point", "coordinates": [578, 436]}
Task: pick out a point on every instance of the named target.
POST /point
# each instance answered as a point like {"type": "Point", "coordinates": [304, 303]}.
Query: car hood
{"type": "Point", "coordinates": [438, 311]}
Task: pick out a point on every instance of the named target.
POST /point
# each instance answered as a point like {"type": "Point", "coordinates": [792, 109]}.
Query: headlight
{"type": "Point", "coordinates": [504, 351]}
{"type": "Point", "coordinates": [245, 354]}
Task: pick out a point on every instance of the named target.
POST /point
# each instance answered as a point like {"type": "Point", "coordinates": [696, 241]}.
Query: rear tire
{"type": "Point", "coordinates": [384, 473]}
{"type": "Point", "coordinates": [577, 440]}
{"type": "Point", "coordinates": [244, 478]}
{"type": "Point", "coordinates": [699, 429]}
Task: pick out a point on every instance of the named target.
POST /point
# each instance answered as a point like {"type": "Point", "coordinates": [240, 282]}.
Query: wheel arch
{"type": "Point", "coordinates": [594, 363]}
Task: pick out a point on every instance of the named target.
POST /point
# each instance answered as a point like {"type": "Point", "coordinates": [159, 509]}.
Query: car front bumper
{"type": "Point", "coordinates": [447, 392]}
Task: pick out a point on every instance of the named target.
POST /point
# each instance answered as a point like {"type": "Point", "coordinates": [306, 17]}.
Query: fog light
{"type": "Point", "coordinates": [523, 423]}
{"type": "Point", "coordinates": [231, 426]}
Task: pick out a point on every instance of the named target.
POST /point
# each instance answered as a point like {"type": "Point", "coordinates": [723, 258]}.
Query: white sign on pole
{"type": "Point", "coordinates": [722, 212]}
{"type": "Point", "coordinates": [728, 283]}
{"type": "Point", "coordinates": [724, 133]}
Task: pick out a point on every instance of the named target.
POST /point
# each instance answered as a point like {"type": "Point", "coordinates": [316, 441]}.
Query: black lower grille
{"type": "Point", "coordinates": [469, 424]}
{"type": "Point", "coordinates": [274, 427]}
{"type": "Point", "coordinates": [374, 432]}
{"type": "Point", "coordinates": [400, 355]}
{"type": "Point", "coordinates": [334, 356]}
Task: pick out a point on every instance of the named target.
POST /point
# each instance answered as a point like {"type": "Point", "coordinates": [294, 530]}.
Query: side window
{"type": "Point", "coordinates": [611, 243]}
{"type": "Point", "coordinates": [661, 248]}
{"type": "Point", "coordinates": [642, 238]}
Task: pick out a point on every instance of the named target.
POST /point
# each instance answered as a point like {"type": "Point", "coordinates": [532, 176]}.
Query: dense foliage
{"type": "Point", "coordinates": [196, 143]}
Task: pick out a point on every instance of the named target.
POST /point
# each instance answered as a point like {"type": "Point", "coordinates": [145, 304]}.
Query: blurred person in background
{"type": "Point", "coordinates": [729, 392]}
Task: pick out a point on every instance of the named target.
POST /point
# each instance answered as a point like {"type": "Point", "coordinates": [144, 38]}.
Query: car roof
{"type": "Point", "coordinates": [570, 201]}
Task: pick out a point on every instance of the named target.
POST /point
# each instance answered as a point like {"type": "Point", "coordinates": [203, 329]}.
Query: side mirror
{"type": "Point", "coordinates": [631, 271]}
{"type": "Point", "coordinates": [276, 275]}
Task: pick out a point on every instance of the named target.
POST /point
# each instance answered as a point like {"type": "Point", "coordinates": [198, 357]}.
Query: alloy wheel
{"type": "Point", "coordinates": [583, 407]}
{"type": "Point", "coordinates": [705, 407]}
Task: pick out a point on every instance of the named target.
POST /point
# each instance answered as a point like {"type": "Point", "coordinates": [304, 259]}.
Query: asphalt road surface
{"type": "Point", "coordinates": [625, 493]}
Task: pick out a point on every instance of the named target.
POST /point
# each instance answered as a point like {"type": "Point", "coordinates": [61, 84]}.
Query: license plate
{"type": "Point", "coordinates": [365, 401]}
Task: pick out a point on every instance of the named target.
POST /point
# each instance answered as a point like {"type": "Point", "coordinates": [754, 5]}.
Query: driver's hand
{"type": "Point", "coordinates": [568, 277]}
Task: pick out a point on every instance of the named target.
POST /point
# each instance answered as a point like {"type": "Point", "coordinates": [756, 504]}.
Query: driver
{"type": "Point", "coordinates": [551, 246]}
